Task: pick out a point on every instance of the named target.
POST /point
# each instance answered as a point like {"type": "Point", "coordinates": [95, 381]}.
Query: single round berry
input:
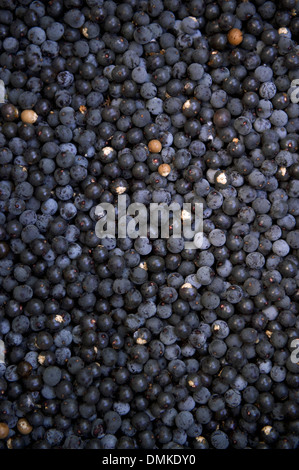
{"type": "Point", "coordinates": [235, 36]}
{"type": "Point", "coordinates": [155, 146]}
{"type": "Point", "coordinates": [24, 427]}
{"type": "Point", "coordinates": [4, 430]}
{"type": "Point", "coordinates": [164, 169]}
{"type": "Point", "coordinates": [29, 116]}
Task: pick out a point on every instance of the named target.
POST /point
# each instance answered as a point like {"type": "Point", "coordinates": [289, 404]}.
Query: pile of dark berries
{"type": "Point", "coordinates": [141, 343]}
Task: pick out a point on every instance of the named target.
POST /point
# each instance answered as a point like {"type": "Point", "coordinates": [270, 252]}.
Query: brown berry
{"type": "Point", "coordinates": [235, 36]}
{"type": "Point", "coordinates": [24, 369]}
{"type": "Point", "coordinates": [9, 112]}
{"type": "Point", "coordinates": [4, 250]}
{"type": "Point", "coordinates": [4, 430]}
{"type": "Point", "coordinates": [23, 426]}
{"type": "Point", "coordinates": [155, 146]}
{"type": "Point", "coordinates": [164, 169]}
{"type": "Point", "coordinates": [29, 116]}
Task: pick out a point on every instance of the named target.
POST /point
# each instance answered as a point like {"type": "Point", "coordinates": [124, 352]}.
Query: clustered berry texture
{"type": "Point", "coordinates": [124, 343]}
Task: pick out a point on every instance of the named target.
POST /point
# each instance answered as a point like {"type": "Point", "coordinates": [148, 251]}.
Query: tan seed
{"type": "Point", "coordinates": [155, 146]}
{"type": "Point", "coordinates": [164, 169]}
{"type": "Point", "coordinates": [235, 36]}
{"type": "Point", "coordinates": [29, 116]}
{"type": "Point", "coordinates": [23, 426]}
{"type": "Point", "coordinates": [4, 430]}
